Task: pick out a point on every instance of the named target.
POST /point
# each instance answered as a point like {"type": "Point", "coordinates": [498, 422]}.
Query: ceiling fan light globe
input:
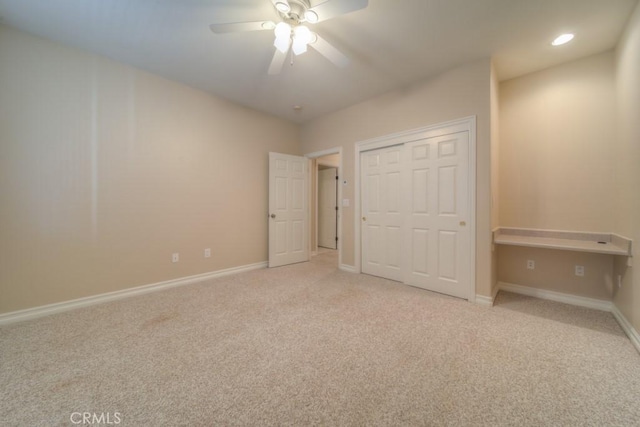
{"type": "Point", "coordinates": [282, 30]}
{"type": "Point", "coordinates": [298, 47]}
{"type": "Point", "coordinates": [311, 16]}
{"type": "Point", "coordinates": [282, 44]}
{"type": "Point", "coordinates": [302, 34]}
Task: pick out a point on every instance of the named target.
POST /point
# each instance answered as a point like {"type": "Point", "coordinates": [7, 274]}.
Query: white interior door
{"type": "Point", "coordinates": [288, 209]}
{"type": "Point", "coordinates": [327, 208]}
{"type": "Point", "coordinates": [382, 218]}
{"type": "Point", "coordinates": [436, 234]}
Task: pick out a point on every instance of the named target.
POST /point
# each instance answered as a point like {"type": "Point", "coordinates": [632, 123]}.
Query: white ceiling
{"type": "Point", "coordinates": [391, 43]}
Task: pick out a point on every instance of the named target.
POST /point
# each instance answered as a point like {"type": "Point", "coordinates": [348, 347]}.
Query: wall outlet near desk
{"type": "Point", "coordinates": [580, 270]}
{"type": "Point", "coordinates": [175, 257]}
{"type": "Point", "coordinates": [207, 253]}
{"type": "Point", "coordinates": [531, 264]}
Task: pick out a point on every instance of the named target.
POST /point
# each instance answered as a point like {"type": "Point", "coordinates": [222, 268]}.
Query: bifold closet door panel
{"type": "Point", "coordinates": [382, 216]}
{"type": "Point", "coordinates": [436, 235]}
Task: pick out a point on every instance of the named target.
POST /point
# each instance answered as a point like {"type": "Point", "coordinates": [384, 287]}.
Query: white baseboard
{"type": "Point", "coordinates": [347, 268]}
{"type": "Point", "coordinates": [488, 301]}
{"type": "Point", "coordinates": [484, 300]}
{"type": "Point", "coordinates": [557, 296]}
{"type": "Point", "coordinates": [627, 327]}
{"type": "Point", "coordinates": [45, 310]}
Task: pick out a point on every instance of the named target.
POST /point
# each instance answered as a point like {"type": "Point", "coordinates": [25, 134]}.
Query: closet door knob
{"type": "Point", "coordinates": [462, 223]}
{"type": "Point", "coordinates": [273, 215]}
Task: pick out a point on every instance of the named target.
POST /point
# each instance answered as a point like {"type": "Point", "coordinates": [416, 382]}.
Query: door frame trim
{"type": "Point", "coordinates": [460, 125]}
{"type": "Point", "coordinates": [315, 155]}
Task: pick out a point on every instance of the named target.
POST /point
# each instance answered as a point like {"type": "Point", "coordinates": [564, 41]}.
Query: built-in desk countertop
{"type": "Point", "coordinates": [602, 243]}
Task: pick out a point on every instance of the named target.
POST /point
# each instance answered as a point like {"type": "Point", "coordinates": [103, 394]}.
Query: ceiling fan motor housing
{"type": "Point", "coordinates": [298, 8]}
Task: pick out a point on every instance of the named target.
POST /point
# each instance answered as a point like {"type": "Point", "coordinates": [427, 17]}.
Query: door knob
{"type": "Point", "coordinates": [462, 223]}
{"type": "Point", "coordinates": [364, 218]}
{"type": "Point", "coordinates": [273, 215]}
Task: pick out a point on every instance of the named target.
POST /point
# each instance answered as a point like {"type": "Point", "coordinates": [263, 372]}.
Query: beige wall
{"type": "Point", "coordinates": [106, 170]}
{"type": "Point", "coordinates": [554, 271]}
{"type": "Point", "coordinates": [557, 130]}
{"type": "Point", "coordinates": [495, 170]}
{"type": "Point", "coordinates": [458, 93]}
{"type": "Point", "coordinates": [627, 165]}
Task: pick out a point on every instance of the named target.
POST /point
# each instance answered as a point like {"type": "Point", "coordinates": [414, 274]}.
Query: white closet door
{"type": "Point", "coordinates": [415, 208]}
{"type": "Point", "coordinates": [381, 172]}
{"type": "Point", "coordinates": [436, 235]}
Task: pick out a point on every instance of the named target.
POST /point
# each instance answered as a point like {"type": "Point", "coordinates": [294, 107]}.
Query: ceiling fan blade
{"type": "Point", "coordinates": [234, 27]}
{"type": "Point", "coordinates": [332, 8]}
{"type": "Point", "coordinates": [277, 62]}
{"type": "Point", "coordinates": [328, 51]}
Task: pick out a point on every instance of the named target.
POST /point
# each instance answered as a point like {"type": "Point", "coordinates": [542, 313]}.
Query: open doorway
{"type": "Point", "coordinates": [325, 241]}
{"type": "Point", "coordinates": [327, 206]}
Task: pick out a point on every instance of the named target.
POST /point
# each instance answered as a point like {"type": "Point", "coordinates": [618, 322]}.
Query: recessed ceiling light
{"type": "Point", "coordinates": [268, 25]}
{"type": "Point", "coordinates": [283, 6]}
{"type": "Point", "coordinates": [297, 107]}
{"type": "Point", "coordinates": [565, 38]}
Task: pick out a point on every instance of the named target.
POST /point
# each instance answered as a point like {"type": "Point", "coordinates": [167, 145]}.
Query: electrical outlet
{"type": "Point", "coordinates": [531, 264]}
{"type": "Point", "coordinates": [580, 270]}
{"type": "Point", "coordinates": [175, 257]}
{"type": "Point", "coordinates": [207, 253]}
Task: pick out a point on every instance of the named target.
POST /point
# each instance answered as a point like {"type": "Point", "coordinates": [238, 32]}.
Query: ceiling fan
{"type": "Point", "coordinates": [292, 32]}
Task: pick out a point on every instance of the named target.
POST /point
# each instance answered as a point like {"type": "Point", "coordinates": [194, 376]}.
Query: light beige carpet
{"type": "Point", "coordinates": [307, 345]}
